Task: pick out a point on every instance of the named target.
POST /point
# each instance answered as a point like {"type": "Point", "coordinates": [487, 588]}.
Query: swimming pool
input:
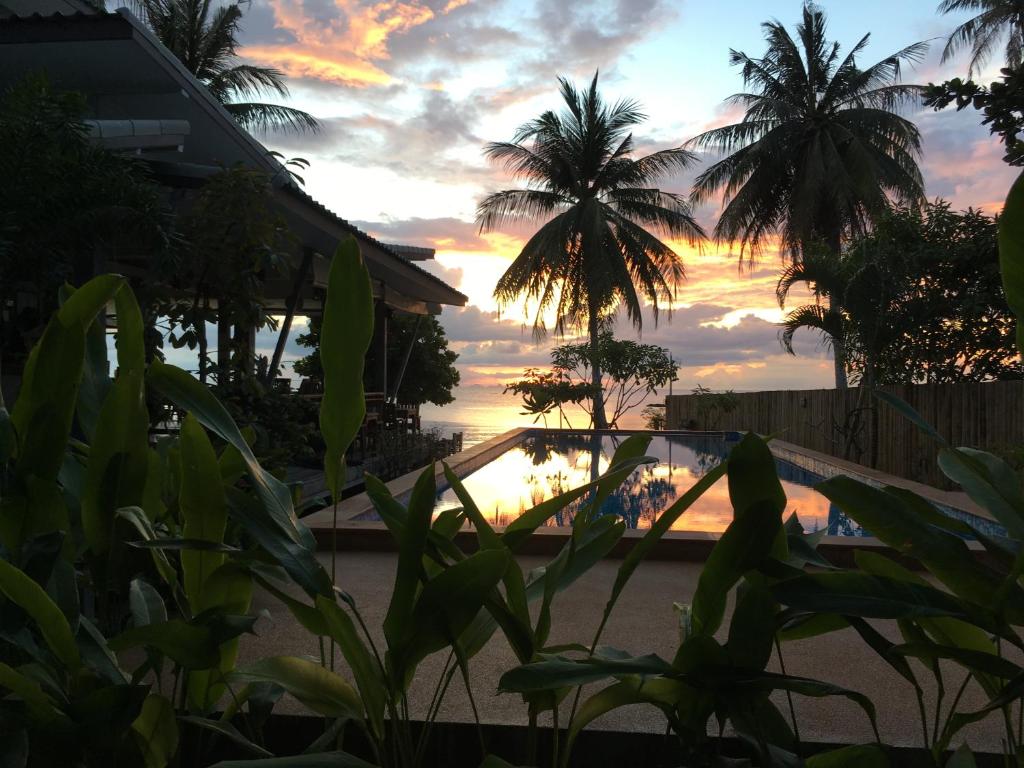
{"type": "Point", "coordinates": [546, 464]}
{"type": "Point", "coordinates": [525, 469]}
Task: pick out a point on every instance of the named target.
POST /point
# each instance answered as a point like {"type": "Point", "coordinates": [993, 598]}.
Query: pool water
{"type": "Point", "coordinates": [547, 464]}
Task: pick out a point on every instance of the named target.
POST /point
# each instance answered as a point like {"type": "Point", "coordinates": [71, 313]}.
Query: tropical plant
{"type": "Point", "coordinates": [995, 21]}
{"type": "Point", "coordinates": [821, 151]}
{"type": "Point", "coordinates": [233, 241]}
{"type": "Point", "coordinates": [65, 200]}
{"type": "Point", "coordinates": [204, 36]}
{"type": "Point", "coordinates": [594, 250]}
{"type": "Point", "coordinates": [630, 372]}
{"type": "Point", "coordinates": [707, 678]}
{"type": "Point", "coordinates": [1001, 102]}
{"type": "Point", "coordinates": [712, 406]}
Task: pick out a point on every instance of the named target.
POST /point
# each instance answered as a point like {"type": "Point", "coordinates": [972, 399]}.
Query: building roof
{"type": "Point", "coordinates": [128, 75]}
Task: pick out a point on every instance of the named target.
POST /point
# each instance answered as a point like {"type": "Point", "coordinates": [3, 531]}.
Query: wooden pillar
{"type": "Point", "coordinates": [379, 374]}
{"type": "Point", "coordinates": [290, 305]}
{"type": "Point", "coordinates": [405, 360]}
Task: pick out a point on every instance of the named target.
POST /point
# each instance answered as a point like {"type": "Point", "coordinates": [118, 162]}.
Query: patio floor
{"type": "Point", "coordinates": [644, 622]}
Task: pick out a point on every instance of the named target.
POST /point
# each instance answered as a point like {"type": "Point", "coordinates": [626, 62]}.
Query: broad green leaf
{"type": "Point", "coordinates": [146, 605]}
{"type": "Point", "coordinates": [520, 529]}
{"type": "Point", "coordinates": [448, 603]}
{"type": "Point", "coordinates": [990, 483]}
{"type": "Point", "coordinates": [137, 518]}
{"type": "Point", "coordinates": [658, 528]}
{"type": "Point", "coordinates": [225, 591]}
{"type": "Point", "coordinates": [203, 512]}
{"type": "Point", "coordinates": [630, 690]}
{"type": "Point", "coordinates": [411, 548]}
{"type": "Point", "coordinates": [156, 731]}
{"type": "Point", "coordinates": [96, 379]}
{"type": "Point", "coordinates": [744, 546]}
{"type": "Point", "coordinates": [320, 760]}
{"type": "Point", "coordinates": [944, 554]}
{"type": "Point", "coordinates": [194, 647]}
{"type": "Point", "coordinates": [630, 451]}
{"type": "Point", "coordinates": [752, 476]}
{"type": "Point", "coordinates": [344, 338]}
{"type": "Point", "coordinates": [752, 628]}
{"type": "Point", "coordinates": [1011, 253]}
{"type": "Point", "coordinates": [365, 669]}
{"type": "Point", "coordinates": [323, 691]}
{"type": "Point", "coordinates": [228, 731]}
{"type": "Point", "coordinates": [29, 691]}
{"type": "Point", "coordinates": [560, 672]}
{"type": "Point", "coordinates": [272, 521]}
{"type": "Point", "coordinates": [119, 454]}
{"type": "Point", "coordinates": [879, 597]}
{"type": "Point", "coordinates": [43, 412]}
{"type": "Point", "coordinates": [48, 617]}
{"type": "Point", "coordinates": [985, 663]}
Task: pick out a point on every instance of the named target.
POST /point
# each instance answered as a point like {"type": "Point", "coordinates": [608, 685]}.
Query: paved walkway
{"type": "Point", "coordinates": [644, 622]}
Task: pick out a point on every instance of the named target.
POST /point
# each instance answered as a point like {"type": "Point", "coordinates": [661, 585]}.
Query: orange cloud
{"type": "Point", "coordinates": [347, 49]}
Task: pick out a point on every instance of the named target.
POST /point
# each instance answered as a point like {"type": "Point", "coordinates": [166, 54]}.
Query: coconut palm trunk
{"type": "Point", "coordinates": [598, 417]}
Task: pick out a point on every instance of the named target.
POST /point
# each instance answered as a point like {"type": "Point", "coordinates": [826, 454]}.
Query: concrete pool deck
{"type": "Point", "coordinates": [644, 622]}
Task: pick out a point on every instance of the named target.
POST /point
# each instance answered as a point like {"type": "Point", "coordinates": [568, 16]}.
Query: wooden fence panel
{"type": "Point", "coordinates": [981, 415]}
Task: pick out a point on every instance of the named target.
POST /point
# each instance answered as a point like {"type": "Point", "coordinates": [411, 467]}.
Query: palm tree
{"type": "Point", "coordinates": [861, 310]}
{"type": "Point", "coordinates": [203, 36]}
{"type": "Point", "coordinates": [995, 20]}
{"type": "Point", "coordinates": [594, 249]}
{"type": "Point", "coordinates": [820, 152]}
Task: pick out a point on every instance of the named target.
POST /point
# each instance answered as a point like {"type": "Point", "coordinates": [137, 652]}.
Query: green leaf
{"type": "Point", "coordinates": [448, 603]}
{"type": "Point", "coordinates": [753, 479]}
{"type": "Point", "coordinates": [985, 663]}
{"type": "Point", "coordinates": [48, 617]}
{"type": "Point", "coordinates": [942, 553]}
{"type": "Point", "coordinates": [1011, 253]}
{"type": "Point", "coordinates": [560, 672]}
{"type": "Point", "coordinates": [29, 691]}
{"type": "Point", "coordinates": [365, 670]}
{"type": "Point", "coordinates": [137, 518]}
{"type": "Point", "coordinates": [744, 546]}
{"type": "Point", "coordinates": [990, 482]}
{"type": "Point", "coordinates": [345, 335]}
{"type": "Point", "coordinates": [323, 691]}
{"type": "Point", "coordinates": [156, 731]}
{"type": "Point", "coordinates": [411, 547]}
{"type": "Point", "coordinates": [665, 694]}
{"type": "Point", "coordinates": [194, 647]}
{"type": "Point", "coordinates": [878, 597]}
{"type": "Point", "coordinates": [146, 605]}
{"type": "Point", "coordinates": [271, 521]}
{"type": "Point", "coordinates": [119, 454]}
{"type": "Point", "coordinates": [228, 731]}
{"type": "Point", "coordinates": [658, 529]}
{"type": "Point", "coordinates": [752, 628]}
{"type": "Point", "coordinates": [320, 760]}
{"type": "Point", "coordinates": [203, 512]}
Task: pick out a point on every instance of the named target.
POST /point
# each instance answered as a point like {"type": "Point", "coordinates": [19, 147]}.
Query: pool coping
{"type": "Point", "coordinates": [351, 534]}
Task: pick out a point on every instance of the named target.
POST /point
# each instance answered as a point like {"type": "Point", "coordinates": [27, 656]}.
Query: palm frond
{"type": "Point", "coordinates": [258, 117]}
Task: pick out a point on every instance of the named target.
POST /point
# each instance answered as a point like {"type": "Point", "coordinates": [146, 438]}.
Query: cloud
{"type": "Point", "coordinates": [448, 233]}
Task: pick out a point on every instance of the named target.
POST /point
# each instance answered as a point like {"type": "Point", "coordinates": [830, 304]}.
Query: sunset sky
{"type": "Point", "coordinates": [409, 92]}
